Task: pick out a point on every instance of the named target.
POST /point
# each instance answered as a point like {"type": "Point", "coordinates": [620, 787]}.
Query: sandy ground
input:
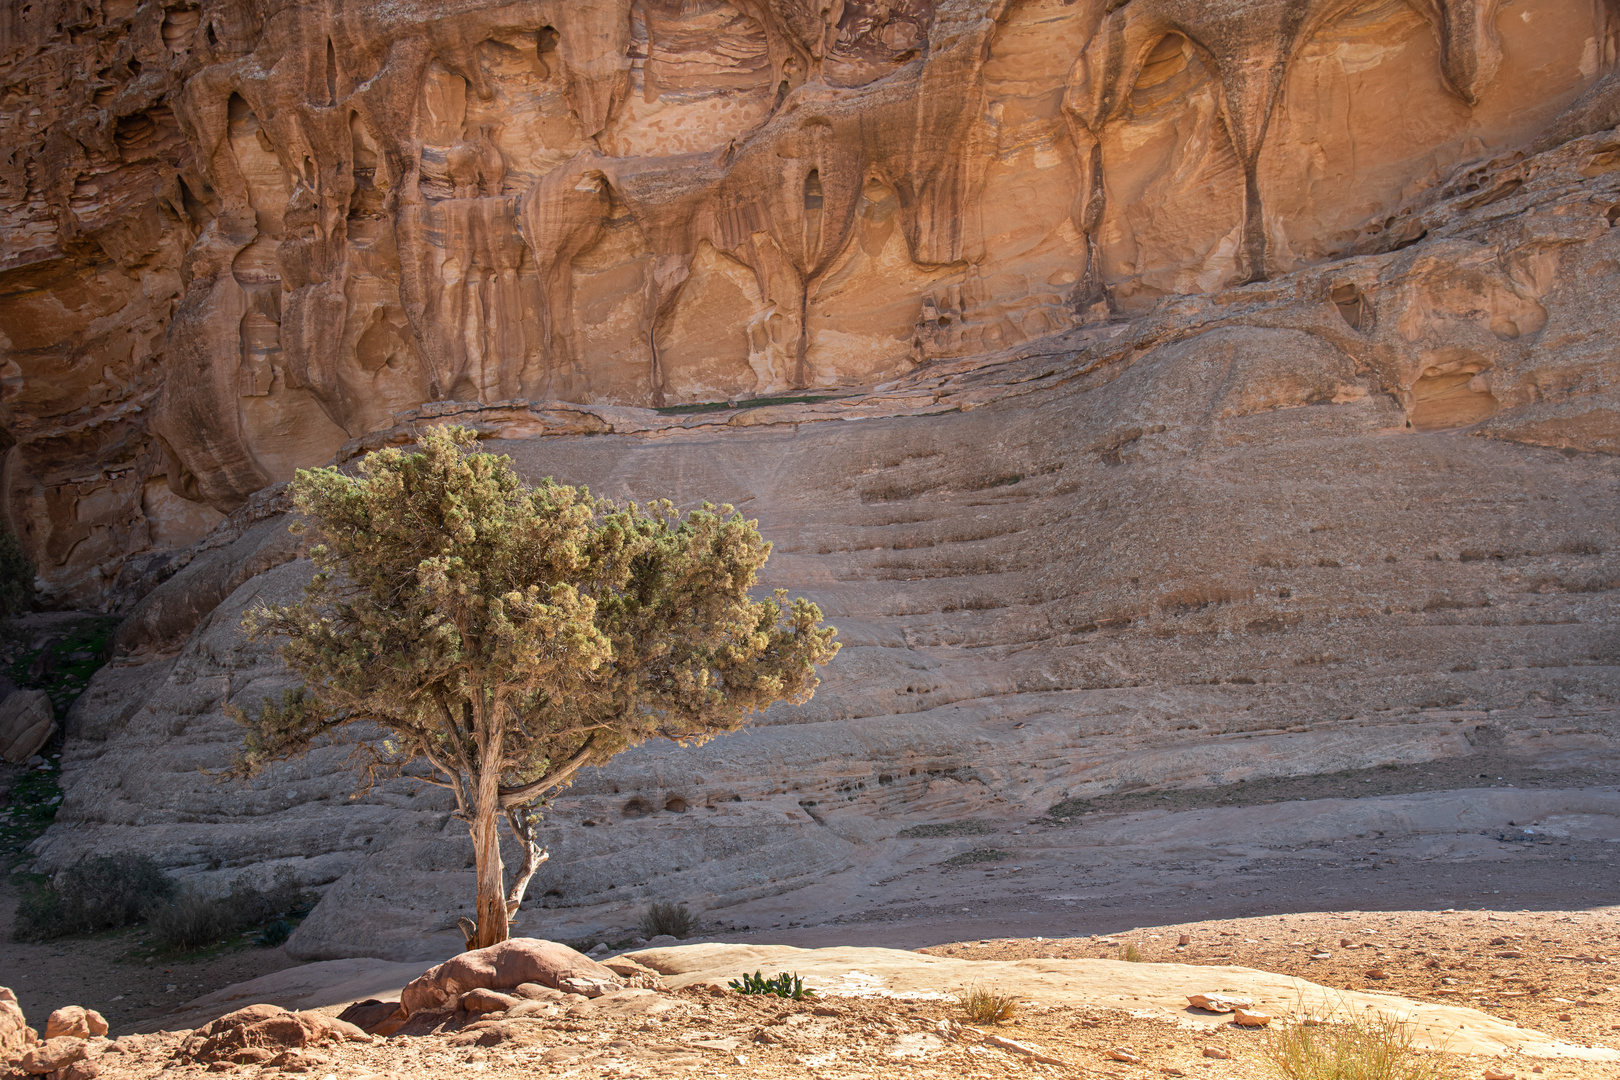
{"type": "Point", "coordinates": [701, 1030]}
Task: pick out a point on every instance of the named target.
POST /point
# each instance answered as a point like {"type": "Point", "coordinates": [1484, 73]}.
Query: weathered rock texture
{"type": "Point", "coordinates": [1222, 388]}
{"type": "Point", "coordinates": [238, 234]}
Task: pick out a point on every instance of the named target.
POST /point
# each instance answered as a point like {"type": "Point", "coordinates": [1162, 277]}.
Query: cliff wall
{"type": "Point", "coordinates": [1205, 390]}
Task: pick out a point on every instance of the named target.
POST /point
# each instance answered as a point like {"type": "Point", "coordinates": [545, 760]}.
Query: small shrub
{"type": "Point", "coordinates": [1132, 953]}
{"type": "Point", "coordinates": [672, 919]}
{"type": "Point", "coordinates": [785, 985]}
{"type": "Point", "coordinates": [274, 934]}
{"type": "Point", "coordinates": [198, 917]}
{"type": "Point", "coordinates": [983, 1005]}
{"type": "Point", "coordinates": [16, 577]}
{"type": "Point", "coordinates": [1069, 808]}
{"type": "Point", "coordinates": [948, 828]}
{"type": "Point", "coordinates": [193, 919]}
{"type": "Point", "coordinates": [968, 858]}
{"type": "Point", "coordinates": [1365, 1047]}
{"type": "Point", "coordinates": [96, 893]}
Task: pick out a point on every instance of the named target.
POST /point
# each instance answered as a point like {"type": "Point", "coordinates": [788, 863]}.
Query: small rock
{"type": "Point", "coordinates": [1121, 1054]}
{"type": "Point", "coordinates": [662, 941]}
{"type": "Point", "coordinates": [1497, 1074]}
{"type": "Point", "coordinates": [1184, 939]}
{"type": "Point", "coordinates": [591, 988]}
{"type": "Point", "coordinates": [1376, 973]}
{"type": "Point", "coordinates": [1566, 1017]}
{"type": "Point", "coordinates": [371, 1014]}
{"type": "Point", "coordinates": [53, 1054]}
{"type": "Point", "coordinates": [1511, 954]}
{"type": "Point", "coordinates": [486, 1001]}
{"type": "Point", "coordinates": [599, 949]}
{"type": "Point", "coordinates": [1217, 1003]}
{"type": "Point", "coordinates": [1245, 1018]}
{"type": "Point", "coordinates": [1322, 956]}
{"type": "Point", "coordinates": [1217, 1052]}
{"type": "Point", "coordinates": [72, 1021]}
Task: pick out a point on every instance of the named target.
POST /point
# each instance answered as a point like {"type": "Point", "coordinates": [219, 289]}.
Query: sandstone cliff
{"type": "Point", "coordinates": [1195, 371]}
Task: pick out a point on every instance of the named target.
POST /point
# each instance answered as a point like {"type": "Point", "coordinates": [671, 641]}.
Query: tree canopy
{"type": "Point", "coordinates": [511, 634]}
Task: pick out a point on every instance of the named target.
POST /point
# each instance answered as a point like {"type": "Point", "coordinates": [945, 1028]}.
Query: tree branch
{"type": "Point", "coordinates": [517, 796]}
{"type": "Point", "coordinates": [522, 823]}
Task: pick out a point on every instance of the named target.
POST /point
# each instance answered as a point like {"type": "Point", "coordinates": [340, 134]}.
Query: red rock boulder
{"type": "Point", "coordinates": [15, 1034]}
{"type": "Point", "coordinates": [75, 1022]}
{"type": "Point", "coordinates": [258, 1033]}
{"type": "Point", "coordinates": [504, 967]}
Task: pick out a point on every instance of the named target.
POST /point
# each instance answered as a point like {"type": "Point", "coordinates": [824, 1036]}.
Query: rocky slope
{"type": "Point", "coordinates": [1213, 391]}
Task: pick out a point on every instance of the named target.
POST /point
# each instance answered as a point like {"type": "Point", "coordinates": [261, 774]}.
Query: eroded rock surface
{"type": "Point", "coordinates": [236, 237]}
{"type": "Point", "coordinates": [1213, 390]}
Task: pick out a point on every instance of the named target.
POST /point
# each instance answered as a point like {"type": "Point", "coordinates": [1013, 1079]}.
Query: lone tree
{"type": "Point", "coordinates": [511, 635]}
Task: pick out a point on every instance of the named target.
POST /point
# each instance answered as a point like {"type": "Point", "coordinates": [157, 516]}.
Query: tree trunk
{"type": "Point", "coordinates": [491, 905]}
{"type": "Point", "coordinates": [486, 837]}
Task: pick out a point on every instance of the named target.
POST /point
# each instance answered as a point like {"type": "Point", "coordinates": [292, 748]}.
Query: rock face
{"type": "Point", "coordinates": [1212, 390]}
{"type": "Point", "coordinates": [27, 721]}
{"type": "Point", "coordinates": [237, 237]}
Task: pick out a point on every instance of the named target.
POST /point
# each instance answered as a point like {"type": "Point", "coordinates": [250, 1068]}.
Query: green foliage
{"type": "Point", "coordinates": [512, 634]}
{"type": "Point", "coordinates": [1370, 1046]}
{"type": "Point", "coordinates": [672, 919]}
{"type": "Point", "coordinates": [16, 578]}
{"type": "Point", "coordinates": [785, 985]}
{"type": "Point", "coordinates": [985, 1005]}
{"type": "Point", "coordinates": [1133, 953]}
{"type": "Point", "coordinates": [199, 917]}
{"type": "Point", "coordinates": [63, 664]}
{"type": "Point", "coordinates": [454, 601]}
{"type": "Point", "coordinates": [96, 893]}
{"type": "Point", "coordinates": [31, 806]}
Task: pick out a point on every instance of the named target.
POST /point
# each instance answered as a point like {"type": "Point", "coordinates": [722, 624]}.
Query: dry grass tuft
{"type": "Point", "coordinates": [1371, 1046]}
{"type": "Point", "coordinates": [1132, 953]}
{"type": "Point", "coordinates": [984, 1005]}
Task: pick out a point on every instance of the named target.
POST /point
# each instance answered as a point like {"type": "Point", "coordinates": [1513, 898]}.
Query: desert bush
{"type": "Point", "coordinates": [985, 1005]}
{"type": "Point", "coordinates": [16, 577]}
{"type": "Point", "coordinates": [1371, 1046]}
{"type": "Point", "coordinates": [1132, 953]}
{"type": "Point", "coordinates": [199, 916]}
{"type": "Point", "coordinates": [274, 934]}
{"type": "Point", "coordinates": [672, 919]}
{"type": "Point", "coordinates": [785, 985]}
{"type": "Point", "coordinates": [950, 828]}
{"type": "Point", "coordinates": [96, 893]}
{"type": "Point", "coordinates": [968, 858]}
